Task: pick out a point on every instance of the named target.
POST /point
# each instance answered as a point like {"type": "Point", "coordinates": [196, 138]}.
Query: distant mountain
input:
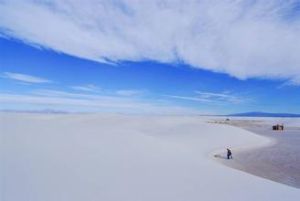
{"type": "Point", "coordinates": [263, 114]}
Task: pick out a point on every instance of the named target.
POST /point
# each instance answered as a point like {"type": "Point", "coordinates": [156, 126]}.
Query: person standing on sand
{"type": "Point", "coordinates": [229, 154]}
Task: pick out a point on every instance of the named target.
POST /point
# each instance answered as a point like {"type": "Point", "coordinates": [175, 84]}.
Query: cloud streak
{"type": "Point", "coordinates": [224, 96]}
{"type": "Point", "coordinates": [87, 88]}
{"type": "Point", "coordinates": [25, 78]}
{"type": "Point", "coordinates": [212, 98]}
{"type": "Point", "coordinates": [242, 38]}
{"type": "Point", "coordinates": [129, 92]}
{"type": "Point", "coordinates": [78, 102]}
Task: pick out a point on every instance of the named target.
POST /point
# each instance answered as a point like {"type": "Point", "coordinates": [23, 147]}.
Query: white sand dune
{"type": "Point", "coordinates": [125, 158]}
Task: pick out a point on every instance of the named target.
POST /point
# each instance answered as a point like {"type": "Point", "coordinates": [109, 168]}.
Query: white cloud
{"type": "Point", "coordinates": [243, 38]}
{"type": "Point", "coordinates": [25, 78]}
{"type": "Point", "coordinates": [191, 98]}
{"type": "Point", "coordinates": [77, 102]}
{"type": "Point", "coordinates": [129, 92]}
{"type": "Point", "coordinates": [223, 96]}
{"type": "Point", "coordinates": [292, 82]}
{"type": "Point", "coordinates": [87, 88]}
{"type": "Point", "coordinates": [213, 98]}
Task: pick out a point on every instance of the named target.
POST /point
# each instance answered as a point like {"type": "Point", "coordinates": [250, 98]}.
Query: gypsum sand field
{"type": "Point", "coordinates": [280, 161]}
{"type": "Point", "coordinates": [118, 157]}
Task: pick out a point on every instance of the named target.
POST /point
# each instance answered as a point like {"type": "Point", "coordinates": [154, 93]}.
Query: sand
{"type": "Point", "coordinates": [280, 161]}
{"type": "Point", "coordinates": [68, 157]}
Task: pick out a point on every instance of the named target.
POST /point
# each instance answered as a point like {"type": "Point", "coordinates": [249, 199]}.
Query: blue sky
{"type": "Point", "coordinates": [116, 63]}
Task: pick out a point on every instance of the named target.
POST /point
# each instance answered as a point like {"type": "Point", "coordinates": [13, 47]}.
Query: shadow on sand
{"type": "Point", "coordinates": [220, 156]}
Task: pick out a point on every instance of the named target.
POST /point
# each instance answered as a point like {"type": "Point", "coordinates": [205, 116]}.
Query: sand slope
{"type": "Point", "coordinates": [125, 158]}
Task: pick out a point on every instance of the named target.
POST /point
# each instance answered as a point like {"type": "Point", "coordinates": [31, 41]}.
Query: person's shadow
{"type": "Point", "coordinates": [220, 156]}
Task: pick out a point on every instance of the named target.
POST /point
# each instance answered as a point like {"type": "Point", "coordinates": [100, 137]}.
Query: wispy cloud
{"type": "Point", "coordinates": [129, 92]}
{"type": "Point", "coordinates": [87, 88]}
{"type": "Point", "coordinates": [223, 96]}
{"type": "Point", "coordinates": [291, 82]}
{"type": "Point", "coordinates": [191, 98]}
{"type": "Point", "coordinates": [212, 98]}
{"type": "Point", "coordinates": [25, 78]}
{"type": "Point", "coordinates": [78, 102]}
{"type": "Point", "coordinates": [242, 38]}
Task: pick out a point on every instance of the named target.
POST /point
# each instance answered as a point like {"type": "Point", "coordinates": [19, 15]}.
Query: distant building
{"type": "Point", "coordinates": [278, 127]}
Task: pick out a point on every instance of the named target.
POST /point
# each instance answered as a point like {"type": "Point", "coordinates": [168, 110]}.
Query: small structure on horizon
{"type": "Point", "coordinates": [278, 127]}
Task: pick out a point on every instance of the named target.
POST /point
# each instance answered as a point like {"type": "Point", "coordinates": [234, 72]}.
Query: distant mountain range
{"type": "Point", "coordinates": [263, 114]}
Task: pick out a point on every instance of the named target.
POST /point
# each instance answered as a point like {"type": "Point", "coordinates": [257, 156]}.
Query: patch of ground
{"type": "Point", "coordinates": [279, 162]}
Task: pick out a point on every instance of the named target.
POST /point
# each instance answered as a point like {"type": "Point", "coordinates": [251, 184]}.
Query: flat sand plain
{"type": "Point", "coordinates": [121, 157]}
